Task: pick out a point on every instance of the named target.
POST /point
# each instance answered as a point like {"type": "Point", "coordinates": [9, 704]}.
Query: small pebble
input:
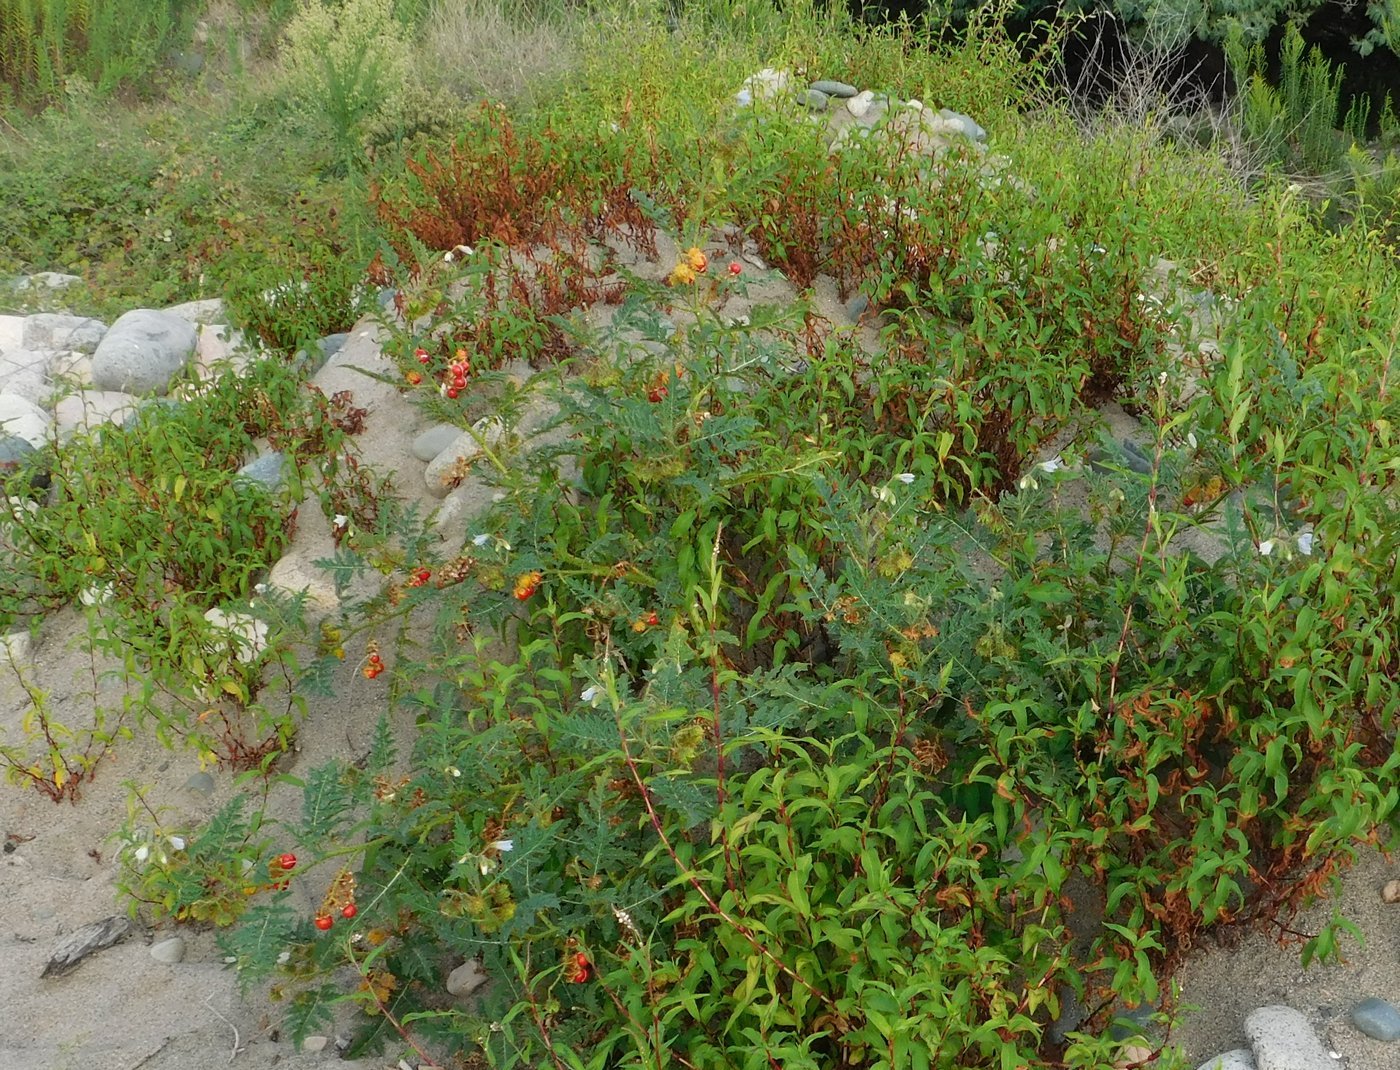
{"type": "Point", "coordinates": [169, 951]}
{"type": "Point", "coordinates": [466, 978]}
{"type": "Point", "coordinates": [1391, 892]}
{"type": "Point", "coordinates": [315, 1043]}
{"type": "Point", "coordinates": [1377, 1019]}
{"type": "Point", "coordinates": [200, 783]}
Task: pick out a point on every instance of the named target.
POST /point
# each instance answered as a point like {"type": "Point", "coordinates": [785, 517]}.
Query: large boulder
{"type": "Point", "coordinates": [143, 351]}
{"type": "Point", "coordinates": [25, 372]}
{"type": "Point", "coordinates": [49, 330]}
{"type": "Point", "coordinates": [21, 418]}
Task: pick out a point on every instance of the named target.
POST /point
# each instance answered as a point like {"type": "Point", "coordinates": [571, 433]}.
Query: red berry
{"type": "Point", "coordinates": [657, 394]}
{"type": "Point", "coordinates": [348, 910]}
{"type": "Point", "coordinates": [421, 354]}
{"type": "Point", "coordinates": [287, 861]}
{"type": "Point", "coordinates": [653, 619]}
{"type": "Point", "coordinates": [452, 392]}
{"type": "Point", "coordinates": [324, 922]}
{"type": "Point", "coordinates": [735, 267]}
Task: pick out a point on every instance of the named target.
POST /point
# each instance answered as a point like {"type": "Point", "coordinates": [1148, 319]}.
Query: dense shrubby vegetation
{"type": "Point", "coordinates": [788, 693]}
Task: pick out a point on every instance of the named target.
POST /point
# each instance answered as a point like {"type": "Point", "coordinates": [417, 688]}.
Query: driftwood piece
{"type": "Point", "coordinates": [81, 943]}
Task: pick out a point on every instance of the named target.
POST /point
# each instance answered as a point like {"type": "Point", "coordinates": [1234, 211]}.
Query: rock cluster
{"type": "Point", "coordinates": [900, 126]}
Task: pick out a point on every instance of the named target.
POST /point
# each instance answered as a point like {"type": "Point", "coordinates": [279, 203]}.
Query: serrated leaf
{"type": "Point", "coordinates": [324, 802]}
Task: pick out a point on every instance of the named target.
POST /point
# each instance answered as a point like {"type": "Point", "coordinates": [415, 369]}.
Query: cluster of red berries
{"type": "Point", "coordinates": [280, 867]}
{"type": "Point", "coordinates": [325, 921]}
{"type": "Point", "coordinates": [340, 899]}
{"type": "Point", "coordinates": [657, 389]}
{"type": "Point", "coordinates": [420, 577]}
{"type": "Point", "coordinates": [460, 369]}
{"type": "Point", "coordinates": [277, 869]}
{"type": "Point", "coordinates": [373, 666]}
{"type": "Point", "coordinates": [526, 584]}
{"type": "Point", "coordinates": [580, 969]}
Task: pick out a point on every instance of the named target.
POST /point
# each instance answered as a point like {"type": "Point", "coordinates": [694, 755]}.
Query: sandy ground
{"type": "Point", "coordinates": [119, 1009]}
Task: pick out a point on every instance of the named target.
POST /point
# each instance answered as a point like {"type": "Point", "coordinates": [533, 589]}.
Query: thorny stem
{"type": "Point", "coordinates": [423, 1057]}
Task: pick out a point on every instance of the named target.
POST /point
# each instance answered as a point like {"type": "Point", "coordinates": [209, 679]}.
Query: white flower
{"type": "Point", "coordinates": [486, 864]}
{"type": "Point", "coordinates": [1305, 542]}
{"type": "Point", "coordinates": [905, 477]}
{"type": "Point", "coordinates": [504, 845]}
{"type": "Point", "coordinates": [590, 694]}
{"type": "Point", "coordinates": [142, 853]}
{"type": "Point", "coordinates": [481, 540]}
{"type": "Point", "coordinates": [177, 842]}
{"type": "Point", "coordinates": [1054, 464]}
{"type": "Point", "coordinates": [1191, 439]}
{"type": "Point", "coordinates": [1266, 547]}
{"type": "Point", "coordinates": [340, 521]}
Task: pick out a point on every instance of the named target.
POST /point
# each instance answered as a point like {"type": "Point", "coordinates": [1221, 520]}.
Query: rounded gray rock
{"type": "Point", "coordinates": [441, 474]}
{"type": "Point", "coordinates": [1378, 1019]}
{"type": "Point", "coordinates": [434, 440]}
{"type": "Point", "coordinates": [833, 88]}
{"type": "Point", "coordinates": [270, 470]}
{"type": "Point", "coordinates": [1284, 1039]}
{"type": "Point", "coordinates": [466, 978]}
{"type": "Point", "coordinates": [143, 351]}
{"type": "Point", "coordinates": [200, 783]}
{"type": "Point", "coordinates": [814, 100]}
{"type": "Point", "coordinates": [49, 330]}
{"type": "Point", "coordinates": [169, 951]}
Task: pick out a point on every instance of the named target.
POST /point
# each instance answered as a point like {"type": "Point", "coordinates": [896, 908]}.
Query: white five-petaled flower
{"type": "Point", "coordinates": [590, 694]}
{"type": "Point", "coordinates": [486, 861]}
{"type": "Point", "coordinates": [1054, 464]}
{"type": "Point", "coordinates": [481, 540]}
{"type": "Point", "coordinates": [142, 853]}
{"type": "Point", "coordinates": [905, 477]}
{"type": "Point", "coordinates": [1266, 547]}
{"type": "Point", "coordinates": [177, 842]}
{"type": "Point", "coordinates": [341, 520]}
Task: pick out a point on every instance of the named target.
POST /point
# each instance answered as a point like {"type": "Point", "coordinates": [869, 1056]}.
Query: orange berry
{"type": "Point", "coordinates": [324, 922]}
